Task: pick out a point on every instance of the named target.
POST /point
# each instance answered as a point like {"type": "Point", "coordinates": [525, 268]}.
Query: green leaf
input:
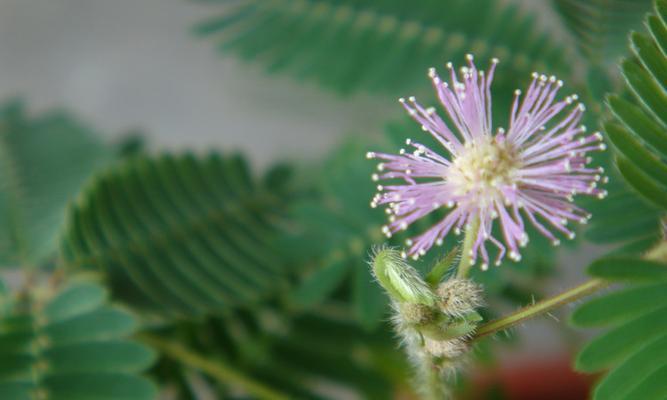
{"type": "Point", "coordinates": [626, 227]}
{"type": "Point", "coordinates": [75, 300]}
{"type": "Point", "coordinates": [621, 342]}
{"type": "Point", "coordinates": [92, 357]}
{"type": "Point", "coordinates": [75, 346]}
{"type": "Point", "coordinates": [43, 163]}
{"type": "Point", "coordinates": [634, 118]}
{"type": "Point", "coordinates": [180, 235]}
{"type": "Point", "coordinates": [642, 184]}
{"type": "Point", "coordinates": [370, 303]}
{"type": "Point", "coordinates": [619, 306]}
{"type": "Point", "coordinates": [636, 312]}
{"type": "Point", "coordinates": [379, 45]}
{"type": "Point", "coordinates": [634, 372]}
{"type": "Point", "coordinates": [321, 283]}
{"type": "Point", "coordinates": [653, 387]}
{"type": "Point", "coordinates": [601, 27]}
{"type": "Point", "coordinates": [292, 354]}
{"type": "Point", "coordinates": [99, 386]}
{"type": "Point", "coordinates": [628, 269]}
{"type": "Point", "coordinates": [658, 32]}
{"type": "Point", "coordinates": [626, 144]}
{"type": "Point", "coordinates": [661, 10]}
{"type": "Point", "coordinates": [16, 391]}
{"type": "Point", "coordinates": [650, 94]}
{"type": "Point", "coordinates": [651, 57]}
{"type": "Point", "coordinates": [103, 323]}
{"type": "Point", "coordinates": [5, 300]}
{"type": "Point", "coordinates": [439, 270]}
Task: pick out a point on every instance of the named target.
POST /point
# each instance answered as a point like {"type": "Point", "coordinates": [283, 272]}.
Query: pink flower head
{"type": "Point", "coordinates": [533, 169]}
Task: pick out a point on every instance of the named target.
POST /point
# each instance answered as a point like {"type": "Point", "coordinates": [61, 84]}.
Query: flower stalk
{"type": "Point", "coordinates": [540, 308]}
{"type": "Point", "coordinates": [467, 255]}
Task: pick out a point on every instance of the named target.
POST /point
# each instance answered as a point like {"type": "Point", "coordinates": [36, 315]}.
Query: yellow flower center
{"type": "Point", "coordinates": [483, 167]}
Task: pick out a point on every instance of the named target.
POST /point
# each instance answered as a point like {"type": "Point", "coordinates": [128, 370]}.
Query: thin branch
{"type": "Point", "coordinates": [542, 307]}
{"type": "Point", "coordinates": [215, 369]}
{"type": "Point", "coordinates": [466, 258]}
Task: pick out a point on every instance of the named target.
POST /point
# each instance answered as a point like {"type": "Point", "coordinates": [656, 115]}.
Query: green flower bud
{"type": "Point", "coordinates": [417, 314]}
{"type": "Point", "coordinates": [459, 297]}
{"type": "Point", "coordinates": [401, 281]}
{"type": "Point", "coordinates": [448, 349]}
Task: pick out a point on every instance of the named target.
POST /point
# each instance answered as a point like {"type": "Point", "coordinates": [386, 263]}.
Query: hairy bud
{"type": "Point", "coordinates": [458, 297]}
{"type": "Point", "coordinates": [434, 323]}
{"type": "Point", "coordinates": [400, 280]}
{"type": "Point", "coordinates": [417, 314]}
{"type": "Point", "coordinates": [448, 349]}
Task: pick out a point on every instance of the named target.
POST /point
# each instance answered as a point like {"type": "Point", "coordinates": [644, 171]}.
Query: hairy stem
{"type": "Point", "coordinates": [466, 258]}
{"type": "Point", "coordinates": [541, 307]}
{"type": "Point", "coordinates": [216, 369]}
{"type": "Point", "coordinates": [435, 386]}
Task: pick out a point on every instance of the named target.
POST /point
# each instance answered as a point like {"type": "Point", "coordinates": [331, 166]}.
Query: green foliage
{"type": "Point", "coordinates": [292, 356]}
{"type": "Point", "coordinates": [338, 228]}
{"type": "Point", "coordinates": [5, 298]}
{"type": "Point", "coordinates": [182, 235]}
{"type": "Point", "coordinates": [633, 347]}
{"type": "Point", "coordinates": [380, 45]}
{"type": "Point", "coordinates": [43, 163]}
{"type": "Point", "coordinates": [72, 346]}
{"type": "Point", "coordinates": [640, 137]}
{"type": "Point", "coordinates": [601, 26]}
{"type": "Point", "coordinates": [624, 217]}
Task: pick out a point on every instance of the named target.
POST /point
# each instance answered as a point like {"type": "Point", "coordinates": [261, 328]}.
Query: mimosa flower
{"type": "Point", "coordinates": [531, 170]}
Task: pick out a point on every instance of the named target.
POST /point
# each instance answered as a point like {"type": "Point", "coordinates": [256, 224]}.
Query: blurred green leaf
{"type": "Point", "coordinates": [5, 298]}
{"type": "Point", "coordinates": [620, 342]}
{"type": "Point", "coordinates": [634, 371]}
{"type": "Point", "coordinates": [640, 124]}
{"type": "Point", "coordinates": [628, 269]}
{"type": "Point", "coordinates": [298, 353]}
{"type": "Point", "coordinates": [620, 306]}
{"type": "Point", "coordinates": [626, 144]}
{"type": "Point", "coordinates": [653, 386]}
{"type": "Point", "coordinates": [319, 285]}
{"type": "Point", "coordinates": [370, 302]}
{"type": "Point", "coordinates": [44, 161]}
{"type": "Point", "coordinates": [75, 346]}
{"type": "Point", "coordinates": [635, 313]}
{"type": "Point", "coordinates": [380, 45]}
{"type": "Point", "coordinates": [601, 26]}
{"type": "Point", "coordinates": [182, 235]}
{"type": "Point", "coordinates": [643, 184]}
{"type": "Point", "coordinates": [647, 90]}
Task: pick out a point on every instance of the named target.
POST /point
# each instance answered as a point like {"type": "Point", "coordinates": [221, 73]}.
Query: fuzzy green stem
{"type": "Point", "coordinates": [541, 307]}
{"type": "Point", "coordinates": [215, 369]}
{"type": "Point", "coordinates": [435, 386]}
{"type": "Point", "coordinates": [466, 258]}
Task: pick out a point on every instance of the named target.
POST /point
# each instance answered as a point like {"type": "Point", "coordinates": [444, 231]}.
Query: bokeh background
{"type": "Point", "coordinates": [127, 66]}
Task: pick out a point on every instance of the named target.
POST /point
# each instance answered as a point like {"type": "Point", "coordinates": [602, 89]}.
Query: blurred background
{"type": "Point", "coordinates": [128, 66]}
{"type": "Point", "coordinates": [136, 64]}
